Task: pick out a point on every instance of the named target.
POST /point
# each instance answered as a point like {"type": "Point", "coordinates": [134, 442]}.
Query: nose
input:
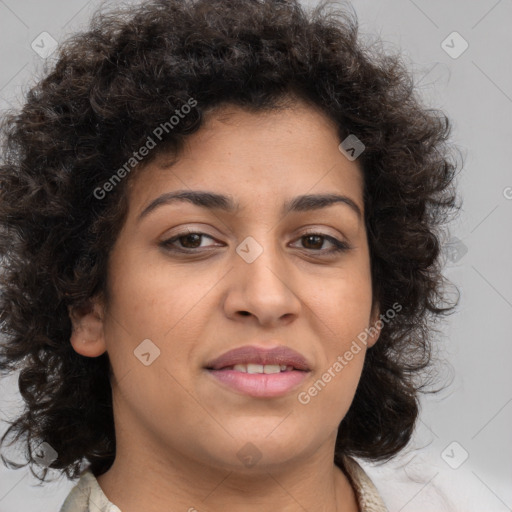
{"type": "Point", "coordinates": [262, 291]}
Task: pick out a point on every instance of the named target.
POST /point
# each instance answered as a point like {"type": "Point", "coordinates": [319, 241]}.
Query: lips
{"type": "Point", "coordinates": [258, 372]}
{"type": "Point", "coordinates": [250, 354]}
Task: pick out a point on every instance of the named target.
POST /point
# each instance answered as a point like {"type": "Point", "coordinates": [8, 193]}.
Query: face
{"type": "Point", "coordinates": [189, 282]}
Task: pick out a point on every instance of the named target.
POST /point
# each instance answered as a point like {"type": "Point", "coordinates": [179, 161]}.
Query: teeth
{"type": "Point", "coordinates": [255, 368]}
{"type": "Point", "coordinates": [271, 368]}
{"type": "Point", "coordinates": [261, 368]}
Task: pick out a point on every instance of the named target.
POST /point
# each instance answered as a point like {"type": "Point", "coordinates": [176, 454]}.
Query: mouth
{"type": "Point", "coordinates": [260, 368]}
{"type": "Point", "coordinates": [258, 372]}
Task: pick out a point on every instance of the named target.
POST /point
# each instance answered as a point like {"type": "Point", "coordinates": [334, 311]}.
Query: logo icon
{"type": "Point", "coordinates": [44, 45]}
{"type": "Point", "coordinates": [146, 352]}
{"type": "Point", "coordinates": [455, 250]}
{"type": "Point", "coordinates": [351, 147]}
{"type": "Point", "coordinates": [454, 455]}
{"type": "Point", "coordinates": [249, 249]}
{"type": "Point", "coordinates": [454, 45]}
{"type": "Point", "coordinates": [44, 454]}
{"type": "Point", "coordinates": [249, 455]}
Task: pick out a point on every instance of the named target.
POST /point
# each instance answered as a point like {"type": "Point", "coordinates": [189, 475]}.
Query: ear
{"type": "Point", "coordinates": [375, 326]}
{"type": "Point", "coordinates": [87, 336]}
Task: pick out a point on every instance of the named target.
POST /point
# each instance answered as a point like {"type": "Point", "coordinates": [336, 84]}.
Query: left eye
{"type": "Point", "coordinates": [192, 240]}
{"type": "Point", "coordinates": [314, 238]}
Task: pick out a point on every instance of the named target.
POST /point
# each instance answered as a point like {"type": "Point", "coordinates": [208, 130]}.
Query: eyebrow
{"type": "Point", "coordinates": [214, 201]}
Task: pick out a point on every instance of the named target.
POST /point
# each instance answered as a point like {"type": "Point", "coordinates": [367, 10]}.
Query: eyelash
{"type": "Point", "coordinates": [339, 246]}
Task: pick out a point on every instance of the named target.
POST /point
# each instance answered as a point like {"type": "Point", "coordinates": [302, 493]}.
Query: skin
{"type": "Point", "coordinates": [178, 430]}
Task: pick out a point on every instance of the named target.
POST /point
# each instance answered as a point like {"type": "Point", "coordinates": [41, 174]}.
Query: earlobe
{"type": "Point", "coordinates": [87, 336]}
{"type": "Point", "coordinates": [375, 326]}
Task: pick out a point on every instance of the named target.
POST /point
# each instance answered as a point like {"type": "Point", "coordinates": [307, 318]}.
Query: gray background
{"type": "Point", "coordinates": [475, 90]}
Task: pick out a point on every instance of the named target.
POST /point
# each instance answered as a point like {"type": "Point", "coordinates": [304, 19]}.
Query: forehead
{"type": "Point", "coordinates": [256, 158]}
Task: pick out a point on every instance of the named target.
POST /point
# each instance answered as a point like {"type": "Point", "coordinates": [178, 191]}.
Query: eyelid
{"type": "Point", "coordinates": [181, 230]}
{"type": "Point", "coordinates": [338, 245]}
{"type": "Point", "coordinates": [312, 229]}
{"type": "Point", "coordinates": [316, 229]}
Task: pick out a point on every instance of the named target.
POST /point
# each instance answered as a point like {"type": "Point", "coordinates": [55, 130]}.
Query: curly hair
{"type": "Point", "coordinates": [110, 86]}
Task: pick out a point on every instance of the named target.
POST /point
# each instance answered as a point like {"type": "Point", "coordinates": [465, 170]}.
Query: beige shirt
{"type": "Point", "coordinates": [87, 495]}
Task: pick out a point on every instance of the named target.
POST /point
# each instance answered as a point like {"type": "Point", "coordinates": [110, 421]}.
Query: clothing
{"type": "Point", "coordinates": [367, 495]}
{"type": "Point", "coordinates": [87, 495]}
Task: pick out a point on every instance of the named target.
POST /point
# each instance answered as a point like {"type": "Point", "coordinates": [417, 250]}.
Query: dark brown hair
{"type": "Point", "coordinates": [110, 87]}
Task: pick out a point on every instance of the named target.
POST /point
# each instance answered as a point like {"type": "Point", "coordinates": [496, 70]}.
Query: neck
{"type": "Point", "coordinates": [173, 482]}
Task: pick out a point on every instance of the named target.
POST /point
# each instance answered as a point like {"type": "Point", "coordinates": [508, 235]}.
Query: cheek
{"type": "Point", "coordinates": [341, 304]}
{"type": "Point", "coordinates": [155, 303]}
{"type": "Point", "coordinates": [330, 394]}
{"type": "Point", "coordinates": [152, 298]}
{"type": "Point", "coordinates": [342, 310]}
{"type": "Point", "coordinates": [154, 311]}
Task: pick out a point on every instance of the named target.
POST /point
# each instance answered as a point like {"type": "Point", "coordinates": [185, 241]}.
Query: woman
{"type": "Point", "coordinates": [221, 246]}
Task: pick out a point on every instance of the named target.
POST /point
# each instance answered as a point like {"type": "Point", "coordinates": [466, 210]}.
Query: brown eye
{"type": "Point", "coordinates": [191, 241]}
{"type": "Point", "coordinates": [315, 241]}
{"type": "Point", "coordinates": [187, 241]}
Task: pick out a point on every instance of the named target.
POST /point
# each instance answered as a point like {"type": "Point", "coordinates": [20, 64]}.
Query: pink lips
{"type": "Point", "coordinates": [252, 354]}
{"type": "Point", "coordinates": [260, 384]}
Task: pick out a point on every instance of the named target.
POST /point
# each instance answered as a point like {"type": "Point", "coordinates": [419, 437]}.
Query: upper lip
{"type": "Point", "coordinates": [281, 355]}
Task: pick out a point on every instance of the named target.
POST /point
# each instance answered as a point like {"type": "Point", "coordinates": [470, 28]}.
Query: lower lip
{"type": "Point", "coordinates": [264, 385]}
